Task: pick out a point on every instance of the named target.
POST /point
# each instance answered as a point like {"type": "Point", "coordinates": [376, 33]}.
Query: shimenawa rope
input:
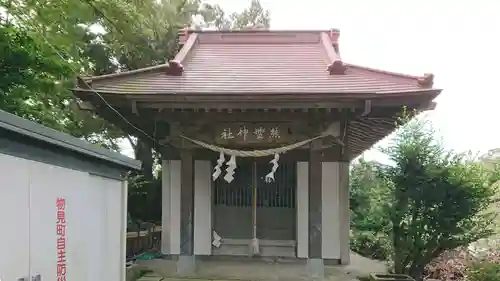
{"type": "Point", "coordinates": [252, 153]}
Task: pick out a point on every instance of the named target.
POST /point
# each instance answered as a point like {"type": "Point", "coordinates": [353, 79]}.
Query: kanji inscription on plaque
{"type": "Point", "coordinates": [251, 133]}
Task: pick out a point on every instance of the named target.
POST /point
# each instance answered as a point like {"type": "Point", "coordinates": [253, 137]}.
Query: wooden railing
{"type": "Point", "coordinates": [143, 241]}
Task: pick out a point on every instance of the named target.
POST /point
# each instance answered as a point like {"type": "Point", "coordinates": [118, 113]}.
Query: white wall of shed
{"type": "Point", "coordinates": [14, 218]}
{"type": "Point", "coordinates": [95, 215]}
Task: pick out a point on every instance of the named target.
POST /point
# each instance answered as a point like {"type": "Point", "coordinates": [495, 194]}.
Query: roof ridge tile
{"type": "Point", "coordinates": [176, 67]}
{"type": "Point", "coordinates": [425, 81]}
{"type": "Point", "coordinates": [336, 65]}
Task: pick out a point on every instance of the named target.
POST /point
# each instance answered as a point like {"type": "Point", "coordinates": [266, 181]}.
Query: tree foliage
{"type": "Point", "coordinates": [30, 76]}
{"type": "Point", "coordinates": [95, 37]}
{"type": "Point", "coordinates": [47, 40]}
{"type": "Point", "coordinates": [254, 16]}
{"type": "Point", "coordinates": [440, 200]}
{"type": "Point", "coordinates": [369, 199]}
{"type": "Point", "coordinates": [45, 44]}
{"type": "Point", "coordinates": [427, 201]}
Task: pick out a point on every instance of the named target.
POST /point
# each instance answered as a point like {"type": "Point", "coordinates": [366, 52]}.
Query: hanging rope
{"type": "Point", "coordinates": [233, 153]}
{"type": "Point", "coordinates": [252, 153]}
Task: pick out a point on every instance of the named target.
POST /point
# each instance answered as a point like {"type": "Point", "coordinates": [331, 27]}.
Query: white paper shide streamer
{"type": "Point", "coordinates": [270, 177]}
{"type": "Point", "coordinates": [217, 169]}
{"type": "Point", "coordinates": [231, 166]}
{"type": "Point", "coordinates": [216, 239]}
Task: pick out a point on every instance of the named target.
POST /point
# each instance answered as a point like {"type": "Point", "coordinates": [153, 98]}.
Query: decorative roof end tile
{"type": "Point", "coordinates": [334, 35]}
{"type": "Point", "coordinates": [184, 35]}
{"type": "Point", "coordinates": [427, 81]}
{"type": "Point", "coordinates": [337, 68]}
{"type": "Point", "coordinates": [175, 68]}
{"type": "Point", "coordinates": [330, 43]}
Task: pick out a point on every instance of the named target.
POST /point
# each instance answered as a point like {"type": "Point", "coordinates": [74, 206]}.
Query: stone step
{"type": "Point", "coordinates": [150, 278]}
{"type": "Point", "coordinates": [242, 271]}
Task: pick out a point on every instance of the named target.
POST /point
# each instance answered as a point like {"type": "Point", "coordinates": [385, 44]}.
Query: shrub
{"type": "Point", "coordinates": [371, 245]}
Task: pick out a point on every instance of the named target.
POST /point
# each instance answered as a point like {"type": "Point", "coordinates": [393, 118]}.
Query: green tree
{"type": "Point", "coordinates": [45, 43]}
{"type": "Point", "coordinates": [29, 78]}
{"type": "Point", "coordinates": [254, 16]}
{"type": "Point", "coordinates": [439, 200]}
{"type": "Point", "coordinates": [154, 43]}
{"type": "Point", "coordinates": [369, 198]}
{"type": "Point", "coordinates": [97, 37]}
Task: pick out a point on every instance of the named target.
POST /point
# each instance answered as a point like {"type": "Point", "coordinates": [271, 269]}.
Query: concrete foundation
{"type": "Point", "coordinates": [248, 269]}
{"type": "Point", "coordinates": [315, 269]}
{"type": "Point", "coordinates": [186, 265]}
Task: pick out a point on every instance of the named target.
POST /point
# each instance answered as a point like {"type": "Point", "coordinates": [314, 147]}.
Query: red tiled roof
{"type": "Point", "coordinates": [260, 62]}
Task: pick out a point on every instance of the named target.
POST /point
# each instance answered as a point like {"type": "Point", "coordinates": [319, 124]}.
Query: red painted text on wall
{"type": "Point", "coordinates": [61, 238]}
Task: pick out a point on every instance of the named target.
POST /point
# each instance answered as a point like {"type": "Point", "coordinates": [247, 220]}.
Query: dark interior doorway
{"type": "Point", "coordinates": [275, 202]}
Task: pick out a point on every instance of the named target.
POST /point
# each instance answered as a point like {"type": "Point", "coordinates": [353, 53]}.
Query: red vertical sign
{"type": "Point", "coordinates": [61, 238]}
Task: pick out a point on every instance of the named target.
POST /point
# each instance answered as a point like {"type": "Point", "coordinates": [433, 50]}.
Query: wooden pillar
{"type": "Point", "coordinates": [302, 203]}
{"type": "Point", "coordinates": [344, 229]}
{"type": "Point", "coordinates": [315, 207]}
{"type": "Point", "coordinates": [344, 210]}
{"type": "Point", "coordinates": [187, 203]}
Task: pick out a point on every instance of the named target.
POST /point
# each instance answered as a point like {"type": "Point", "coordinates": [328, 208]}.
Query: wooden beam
{"type": "Point", "coordinates": [365, 130]}
{"type": "Point", "coordinates": [240, 104]}
{"type": "Point", "coordinates": [134, 107]}
{"type": "Point", "coordinates": [272, 98]}
{"type": "Point", "coordinates": [368, 108]}
{"type": "Point", "coordinates": [344, 136]}
{"type": "Point", "coordinates": [249, 116]}
{"type": "Point", "coordinates": [85, 105]}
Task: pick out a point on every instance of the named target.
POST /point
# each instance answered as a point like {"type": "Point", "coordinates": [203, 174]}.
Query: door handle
{"type": "Point", "coordinates": [22, 279]}
{"type": "Point", "coordinates": [37, 277]}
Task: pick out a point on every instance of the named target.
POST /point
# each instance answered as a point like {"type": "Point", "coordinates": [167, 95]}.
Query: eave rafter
{"type": "Point", "coordinates": [363, 133]}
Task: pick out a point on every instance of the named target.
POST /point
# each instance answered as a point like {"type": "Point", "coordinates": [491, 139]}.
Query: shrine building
{"type": "Point", "coordinates": [256, 129]}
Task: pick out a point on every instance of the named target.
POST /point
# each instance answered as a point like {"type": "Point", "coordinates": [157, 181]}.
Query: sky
{"type": "Point", "coordinates": [456, 41]}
